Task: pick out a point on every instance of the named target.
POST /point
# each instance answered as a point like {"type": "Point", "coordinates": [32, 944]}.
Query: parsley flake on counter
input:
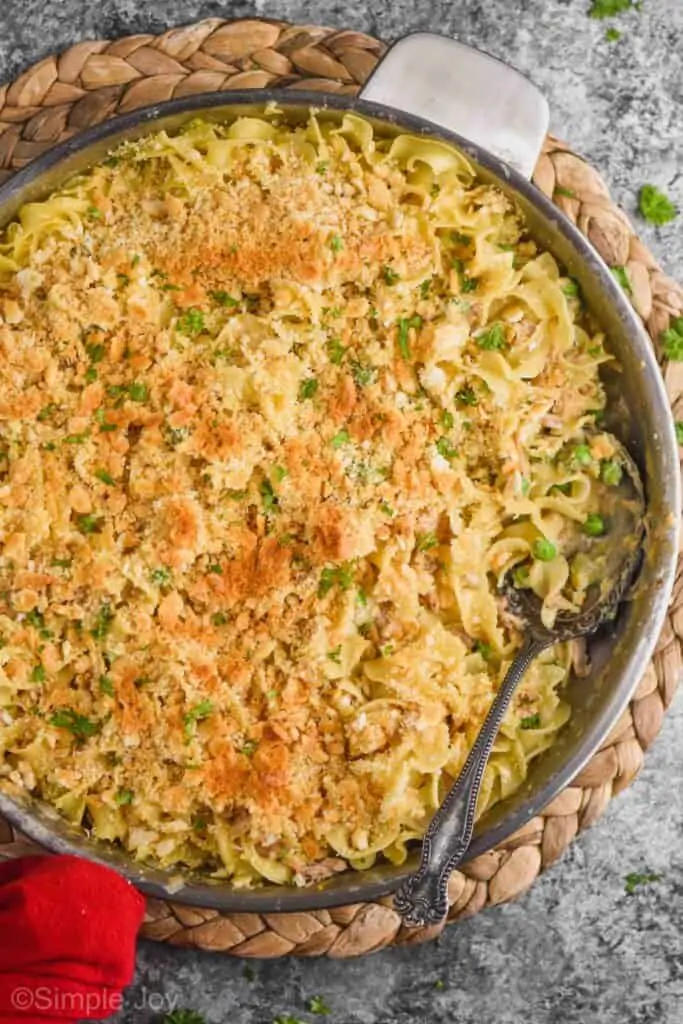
{"type": "Point", "coordinates": [672, 341]}
{"type": "Point", "coordinates": [610, 8]}
{"type": "Point", "coordinates": [655, 206]}
{"type": "Point", "coordinates": [184, 1017]}
{"type": "Point", "coordinates": [317, 1005]}
{"type": "Point", "coordinates": [636, 878]}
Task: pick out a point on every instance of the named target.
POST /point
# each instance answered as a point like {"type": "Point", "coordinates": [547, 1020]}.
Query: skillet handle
{"type": "Point", "coordinates": [466, 91]}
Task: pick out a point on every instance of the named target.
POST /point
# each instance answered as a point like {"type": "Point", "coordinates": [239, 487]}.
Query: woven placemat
{"type": "Point", "coordinates": [96, 80]}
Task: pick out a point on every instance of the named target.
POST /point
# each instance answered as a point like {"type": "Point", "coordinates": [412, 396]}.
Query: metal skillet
{"type": "Point", "coordinates": [436, 87]}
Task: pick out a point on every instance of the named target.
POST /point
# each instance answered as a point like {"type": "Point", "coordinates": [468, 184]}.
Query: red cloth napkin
{"type": "Point", "coordinates": [67, 939]}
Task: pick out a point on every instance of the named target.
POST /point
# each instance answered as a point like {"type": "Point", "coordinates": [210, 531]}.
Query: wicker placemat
{"type": "Point", "coordinates": [96, 80]}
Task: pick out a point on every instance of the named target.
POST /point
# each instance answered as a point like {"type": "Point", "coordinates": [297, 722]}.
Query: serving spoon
{"type": "Point", "coordinates": [422, 899]}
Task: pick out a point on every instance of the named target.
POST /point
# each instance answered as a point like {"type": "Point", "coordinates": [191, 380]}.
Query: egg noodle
{"type": "Point", "coordinates": [279, 409]}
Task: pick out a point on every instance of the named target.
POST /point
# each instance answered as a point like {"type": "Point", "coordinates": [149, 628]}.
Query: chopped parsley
{"type": "Point", "coordinates": [404, 326]}
{"type": "Point", "coordinates": [467, 396]}
{"type": "Point", "coordinates": [76, 438]}
{"type": "Point", "coordinates": [446, 419]}
{"type": "Point", "coordinates": [249, 748]}
{"type": "Point", "coordinates": [427, 541]}
{"type": "Point", "coordinates": [138, 391]}
{"type": "Point", "coordinates": [90, 524]}
{"type": "Point", "coordinates": [196, 714]}
{"type": "Point", "coordinates": [679, 431]}
{"type": "Point", "coordinates": [467, 283]}
{"type": "Point", "coordinates": [672, 340]}
{"type": "Point", "coordinates": [38, 674]}
{"type": "Point", "coordinates": [571, 289]}
{"type": "Point", "coordinates": [105, 477]}
{"type": "Point", "coordinates": [93, 212]}
{"type": "Point", "coordinates": [362, 374]}
{"type": "Point", "coordinates": [271, 502]}
{"type": "Point", "coordinates": [219, 619]}
{"type": "Point", "coordinates": [102, 624]}
{"type": "Point", "coordinates": [612, 35]}
{"type": "Point", "coordinates": [336, 243]}
{"type": "Point", "coordinates": [655, 206]}
{"type": "Point", "coordinates": [280, 473]}
{"type": "Point", "coordinates": [192, 322]}
{"type": "Point", "coordinates": [335, 351]}
{"type": "Point", "coordinates": [106, 685]}
{"type": "Point", "coordinates": [387, 509]}
{"type": "Point", "coordinates": [161, 576]}
{"type": "Point", "coordinates": [80, 726]}
{"type": "Point", "coordinates": [124, 797]}
{"type": "Point", "coordinates": [481, 647]}
{"type": "Point", "coordinates": [321, 167]}
{"type": "Point", "coordinates": [425, 288]}
{"type": "Point", "coordinates": [341, 438]}
{"type": "Point", "coordinates": [335, 576]}
{"type": "Point", "coordinates": [46, 412]}
{"type": "Point", "coordinates": [224, 299]}
{"type": "Point", "coordinates": [446, 449]}
{"type": "Point", "coordinates": [637, 878]}
{"type": "Point", "coordinates": [530, 722]}
{"type": "Point", "coordinates": [389, 275]}
{"type": "Point", "coordinates": [308, 388]}
{"type": "Point", "coordinates": [492, 339]}
{"type": "Point", "coordinates": [335, 655]}
{"type": "Point", "coordinates": [215, 570]}
{"type": "Point", "coordinates": [568, 193]}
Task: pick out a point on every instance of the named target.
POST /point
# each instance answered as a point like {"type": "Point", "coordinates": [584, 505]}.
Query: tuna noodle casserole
{"type": "Point", "coordinates": [279, 408]}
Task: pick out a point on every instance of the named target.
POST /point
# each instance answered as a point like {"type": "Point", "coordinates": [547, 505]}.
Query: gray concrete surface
{"type": "Point", "coordinates": [577, 949]}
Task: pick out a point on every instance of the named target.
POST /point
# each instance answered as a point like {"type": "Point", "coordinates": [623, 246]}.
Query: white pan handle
{"type": "Point", "coordinates": [468, 92]}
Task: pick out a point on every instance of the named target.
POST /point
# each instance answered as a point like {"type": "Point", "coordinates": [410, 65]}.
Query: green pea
{"type": "Point", "coordinates": [594, 525]}
{"type": "Point", "coordinates": [544, 550]}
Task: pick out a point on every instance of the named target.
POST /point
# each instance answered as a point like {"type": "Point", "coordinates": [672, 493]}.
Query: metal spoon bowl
{"type": "Point", "coordinates": [422, 899]}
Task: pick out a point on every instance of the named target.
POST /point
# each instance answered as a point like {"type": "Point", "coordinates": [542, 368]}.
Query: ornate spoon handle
{"type": "Point", "coordinates": [422, 899]}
